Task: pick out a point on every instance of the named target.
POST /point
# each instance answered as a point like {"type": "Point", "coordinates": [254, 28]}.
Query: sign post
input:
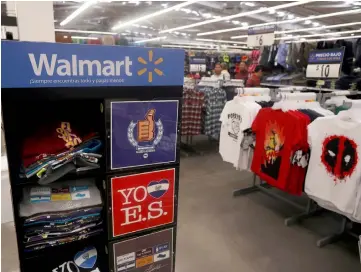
{"type": "Point", "coordinates": [261, 36]}
{"type": "Point", "coordinates": [325, 64]}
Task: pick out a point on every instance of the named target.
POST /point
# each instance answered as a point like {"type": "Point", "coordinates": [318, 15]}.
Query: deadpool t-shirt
{"type": "Point", "coordinates": [334, 171]}
{"type": "Point", "coordinates": [277, 136]}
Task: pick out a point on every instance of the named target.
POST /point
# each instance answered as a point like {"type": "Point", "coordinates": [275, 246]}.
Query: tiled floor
{"type": "Point", "coordinates": [220, 233]}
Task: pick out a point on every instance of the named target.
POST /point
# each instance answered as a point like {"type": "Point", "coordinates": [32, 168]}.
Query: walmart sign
{"type": "Point", "coordinates": [30, 65]}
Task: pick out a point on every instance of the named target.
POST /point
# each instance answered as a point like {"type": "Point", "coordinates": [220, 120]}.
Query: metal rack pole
{"type": "Point", "coordinates": [264, 188]}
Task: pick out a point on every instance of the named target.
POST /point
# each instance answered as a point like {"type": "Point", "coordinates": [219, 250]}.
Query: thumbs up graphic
{"type": "Point", "coordinates": [146, 127]}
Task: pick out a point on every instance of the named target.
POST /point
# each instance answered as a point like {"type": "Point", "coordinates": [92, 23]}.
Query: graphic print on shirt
{"type": "Point", "coordinates": [339, 156]}
{"type": "Point", "coordinates": [235, 121]}
{"type": "Point", "coordinates": [273, 144]}
{"type": "Point", "coordinates": [147, 137]}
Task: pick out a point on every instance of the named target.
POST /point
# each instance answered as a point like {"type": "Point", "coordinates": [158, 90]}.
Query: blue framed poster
{"type": "Point", "coordinates": [143, 133]}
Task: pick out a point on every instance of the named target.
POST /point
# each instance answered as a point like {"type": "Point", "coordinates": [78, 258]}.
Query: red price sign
{"type": "Point", "coordinates": [142, 201]}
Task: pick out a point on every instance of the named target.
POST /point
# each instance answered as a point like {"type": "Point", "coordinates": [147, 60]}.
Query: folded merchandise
{"type": "Point", "coordinates": [63, 218]}
{"type": "Point", "coordinates": [55, 166]}
{"type": "Point", "coordinates": [60, 241]}
{"type": "Point", "coordinates": [65, 196]}
{"type": "Point", "coordinates": [60, 213]}
{"type": "Point", "coordinates": [54, 138]}
{"type": "Point", "coordinates": [50, 235]}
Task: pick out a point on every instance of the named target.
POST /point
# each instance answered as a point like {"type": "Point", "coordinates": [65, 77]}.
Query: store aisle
{"type": "Point", "coordinates": [218, 233]}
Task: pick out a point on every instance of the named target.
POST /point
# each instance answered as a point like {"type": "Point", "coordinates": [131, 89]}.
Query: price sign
{"type": "Point", "coordinates": [197, 64]}
{"type": "Point", "coordinates": [260, 36]}
{"type": "Point", "coordinates": [325, 63]}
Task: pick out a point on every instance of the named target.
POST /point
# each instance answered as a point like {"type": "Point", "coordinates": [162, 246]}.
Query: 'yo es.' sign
{"type": "Point", "coordinates": [142, 201]}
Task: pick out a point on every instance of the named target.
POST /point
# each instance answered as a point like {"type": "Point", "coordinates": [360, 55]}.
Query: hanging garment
{"type": "Point", "coordinates": [236, 117]}
{"type": "Point", "coordinates": [348, 56]}
{"type": "Point", "coordinates": [193, 102]}
{"type": "Point", "coordinates": [334, 173]}
{"type": "Point", "coordinates": [281, 57]}
{"type": "Point", "coordinates": [358, 53]}
{"type": "Point", "coordinates": [265, 56]}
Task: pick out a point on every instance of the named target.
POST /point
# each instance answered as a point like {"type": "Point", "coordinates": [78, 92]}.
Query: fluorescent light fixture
{"type": "Point", "coordinates": [220, 41]}
{"type": "Point", "coordinates": [238, 15]}
{"type": "Point", "coordinates": [281, 14]}
{"type": "Point", "coordinates": [312, 28]}
{"type": "Point", "coordinates": [154, 14]}
{"type": "Point", "coordinates": [327, 39]}
{"type": "Point", "coordinates": [320, 34]}
{"type": "Point", "coordinates": [316, 24]}
{"type": "Point", "coordinates": [185, 46]}
{"type": "Point", "coordinates": [355, 11]}
{"type": "Point", "coordinates": [81, 9]}
{"type": "Point", "coordinates": [307, 22]}
{"type": "Point", "coordinates": [237, 47]}
{"type": "Point", "coordinates": [195, 44]}
{"type": "Point", "coordinates": [84, 38]}
{"type": "Point", "coordinates": [239, 37]}
{"type": "Point", "coordinates": [271, 11]}
{"type": "Point", "coordinates": [85, 31]}
{"type": "Point", "coordinates": [290, 16]}
{"type": "Point", "coordinates": [151, 40]}
{"type": "Point", "coordinates": [250, 4]}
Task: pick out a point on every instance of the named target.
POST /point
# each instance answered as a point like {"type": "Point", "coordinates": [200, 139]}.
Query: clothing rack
{"type": "Point", "coordinates": [311, 209]}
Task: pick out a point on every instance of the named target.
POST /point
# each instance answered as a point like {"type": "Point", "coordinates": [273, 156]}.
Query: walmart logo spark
{"type": "Point", "coordinates": [150, 73]}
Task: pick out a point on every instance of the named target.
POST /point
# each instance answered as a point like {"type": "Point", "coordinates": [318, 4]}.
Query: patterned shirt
{"type": "Point", "coordinates": [215, 99]}
{"type": "Point", "coordinates": [193, 102]}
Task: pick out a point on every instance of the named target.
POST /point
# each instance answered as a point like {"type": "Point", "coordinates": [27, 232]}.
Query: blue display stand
{"type": "Point", "coordinates": [132, 97]}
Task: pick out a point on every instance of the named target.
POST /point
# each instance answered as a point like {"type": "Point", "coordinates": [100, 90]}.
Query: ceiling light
{"type": "Point", "coordinates": [84, 38]}
{"type": "Point", "coordinates": [239, 37]}
{"type": "Point", "coordinates": [242, 14]}
{"type": "Point", "coordinates": [143, 26]}
{"type": "Point", "coordinates": [250, 4]}
{"type": "Point", "coordinates": [321, 34]}
{"type": "Point", "coordinates": [184, 34]}
{"type": "Point", "coordinates": [271, 11]}
{"type": "Point", "coordinates": [151, 40]}
{"type": "Point", "coordinates": [154, 14]}
{"type": "Point", "coordinates": [290, 16]}
{"type": "Point", "coordinates": [136, 25]}
{"type": "Point", "coordinates": [128, 31]}
{"type": "Point", "coordinates": [176, 32]}
{"type": "Point", "coordinates": [232, 46]}
{"type": "Point", "coordinates": [316, 28]}
{"type": "Point", "coordinates": [195, 12]}
{"type": "Point", "coordinates": [316, 24]}
{"type": "Point", "coordinates": [221, 41]}
{"type": "Point", "coordinates": [307, 22]}
{"type": "Point", "coordinates": [150, 35]}
{"type": "Point", "coordinates": [206, 15]}
{"type": "Point", "coordinates": [328, 39]}
{"type": "Point", "coordinates": [184, 46]}
{"type": "Point", "coordinates": [164, 5]}
{"type": "Point", "coordinates": [81, 9]}
{"type": "Point", "coordinates": [281, 14]}
{"type": "Point", "coordinates": [195, 44]}
{"type": "Point", "coordinates": [142, 33]}
{"type": "Point", "coordinates": [135, 32]}
{"type": "Point", "coordinates": [124, 34]}
{"type": "Point", "coordinates": [355, 11]}
{"type": "Point", "coordinates": [352, 34]}
{"type": "Point", "coordinates": [236, 22]}
{"type": "Point", "coordinates": [124, 3]}
{"type": "Point", "coordinates": [244, 24]}
{"type": "Point", "coordinates": [84, 31]}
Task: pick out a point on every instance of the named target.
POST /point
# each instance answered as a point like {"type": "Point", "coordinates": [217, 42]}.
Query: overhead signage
{"type": "Point", "coordinates": [197, 64]}
{"type": "Point", "coordinates": [143, 133]}
{"type": "Point", "coordinates": [142, 201]}
{"type": "Point", "coordinates": [261, 36]}
{"type": "Point", "coordinates": [34, 65]}
{"type": "Point", "coordinates": [152, 252]}
{"type": "Point", "coordinates": [325, 63]}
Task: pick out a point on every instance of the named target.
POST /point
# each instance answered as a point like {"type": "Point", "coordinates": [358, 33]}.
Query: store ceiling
{"type": "Point", "coordinates": [103, 15]}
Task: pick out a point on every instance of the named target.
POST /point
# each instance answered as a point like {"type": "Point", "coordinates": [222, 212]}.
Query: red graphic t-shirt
{"type": "Point", "coordinates": [278, 135]}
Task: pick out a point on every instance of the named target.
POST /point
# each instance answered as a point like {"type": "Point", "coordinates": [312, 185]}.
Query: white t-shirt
{"type": "Point", "coordinates": [334, 169]}
{"type": "Point", "coordinates": [235, 118]}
